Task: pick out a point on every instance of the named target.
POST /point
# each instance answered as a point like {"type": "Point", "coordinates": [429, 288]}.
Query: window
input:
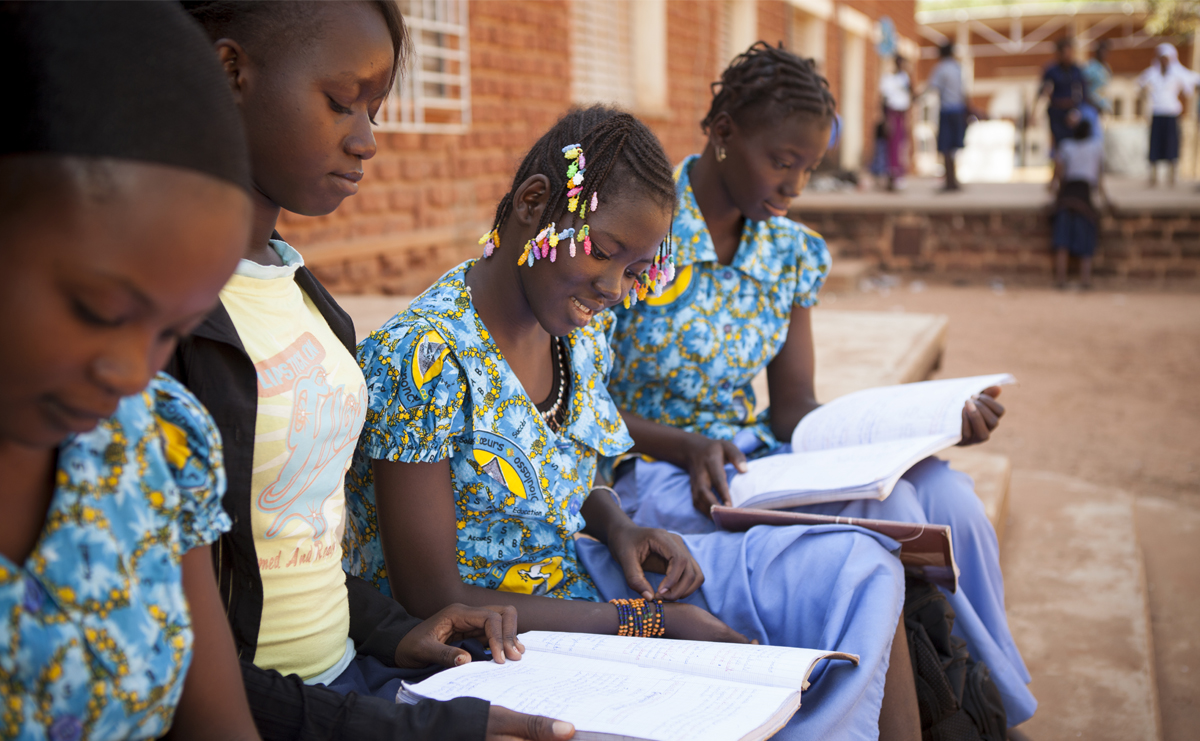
{"type": "Point", "coordinates": [435, 94]}
{"type": "Point", "coordinates": [610, 39]}
{"type": "Point", "coordinates": [739, 29]}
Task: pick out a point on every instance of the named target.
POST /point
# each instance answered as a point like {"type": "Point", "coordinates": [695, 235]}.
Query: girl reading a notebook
{"type": "Point", "coordinates": [322, 654]}
{"type": "Point", "coordinates": [487, 410]}
{"type": "Point", "coordinates": [124, 202]}
{"type": "Point", "coordinates": [746, 279]}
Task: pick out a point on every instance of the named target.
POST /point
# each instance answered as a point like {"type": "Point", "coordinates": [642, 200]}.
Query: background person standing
{"type": "Point", "coordinates": [896, 91]}
{"type": "Point", "coordinates": [1163, 83]}
{"type": "Point", "coordinates": [947, 80]}
{"type": "Point", "coordinates": [1063, 84]}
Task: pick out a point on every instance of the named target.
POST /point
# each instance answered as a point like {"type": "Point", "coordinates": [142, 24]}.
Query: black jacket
{"type": "Point", "coordinates": [213, 363]}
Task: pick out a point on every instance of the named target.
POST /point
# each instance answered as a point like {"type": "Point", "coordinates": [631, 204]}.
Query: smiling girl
{"type": "Point", "coordinates": [487, 409]}
{"type": "Point", "coordinates": [741, 302]}
{"type": "Point", "coordinates": [322, 654]}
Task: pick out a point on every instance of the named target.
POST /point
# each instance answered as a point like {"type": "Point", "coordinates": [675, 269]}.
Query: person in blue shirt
{"type": "Point", "coordinates": [746, 280]}
{"type": "Point", "coordinates": [487, 410]}
{"type": "Point", "coordinates": [125, 204]}
{"type": "Point", "coordinates": [1063, 83]}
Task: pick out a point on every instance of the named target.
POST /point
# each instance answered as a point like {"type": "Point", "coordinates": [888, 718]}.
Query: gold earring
{"type": "Point", "coordinates": [720, 154]}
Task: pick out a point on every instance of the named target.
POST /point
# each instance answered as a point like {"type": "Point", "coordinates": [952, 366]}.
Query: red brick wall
{"type": "Point", "coordinates": [425, 198]}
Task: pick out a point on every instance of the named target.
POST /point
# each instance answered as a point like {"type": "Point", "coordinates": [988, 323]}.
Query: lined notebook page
{"type": "Point", "coordinates": [773, 666]}
{"type": "Point", "coordinates": [614, 698]}
{"type": "Point", "coordinates": [892, 413]}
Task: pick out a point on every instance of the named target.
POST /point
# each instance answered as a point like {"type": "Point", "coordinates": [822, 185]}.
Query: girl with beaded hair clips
{"type": "Point", "coordinates": [746, 279]}
{"type": "Point", "coordinates": [487, 411]}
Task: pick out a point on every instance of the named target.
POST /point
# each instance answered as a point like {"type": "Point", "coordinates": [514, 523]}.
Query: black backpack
{"type": "Point", "coordinates": [958, 699]}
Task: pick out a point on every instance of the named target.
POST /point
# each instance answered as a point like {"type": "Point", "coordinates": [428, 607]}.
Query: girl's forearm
{"type": "Point", "coordinates": [784, 418]}
{"type": "Point", "coordinates": [663, 442]}
{"type": "Point", "coordinates": [533, 612]}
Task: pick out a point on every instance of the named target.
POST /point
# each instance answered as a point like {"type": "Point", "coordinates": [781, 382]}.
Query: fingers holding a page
{"type": "Point", "coordinates": [980, 416]}
{"type": "Point", "coordinates": [428, 643]}
{"type": "Point", "coordinates": [688, 622]}
{"type": "Point", "coordinates": [509, 725]}
{"type": "Point", "coordinates": [706, 459]}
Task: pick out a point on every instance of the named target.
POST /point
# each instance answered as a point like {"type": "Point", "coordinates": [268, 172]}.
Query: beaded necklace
{"type": "Point", "coordinates": [550, 416]}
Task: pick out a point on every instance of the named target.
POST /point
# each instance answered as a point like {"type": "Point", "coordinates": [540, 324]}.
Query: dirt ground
{"type": "Point", "coordinates": [1108, 393]}
{"type": "Point", "coordinates": [1109, 382]}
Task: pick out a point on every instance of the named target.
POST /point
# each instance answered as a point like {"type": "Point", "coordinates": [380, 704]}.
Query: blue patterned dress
{"type": "Point", "coordinates": [438, 388]}
{"type": "Point", "coordinates": [98, 638]}
{"type": "Point", "coordinates": [687, 359]}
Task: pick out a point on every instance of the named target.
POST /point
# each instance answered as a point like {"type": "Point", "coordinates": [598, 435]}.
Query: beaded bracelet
{"type": "Point", "coordinates": [640, 618]}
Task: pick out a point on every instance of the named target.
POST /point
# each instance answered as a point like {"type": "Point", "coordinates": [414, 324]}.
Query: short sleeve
{"type": "Point", "coordinates": [415, 393]}
{"type": "Point", "coordinates": [192, 448]}
{"type": "Point", "coordinates": [814, 262]}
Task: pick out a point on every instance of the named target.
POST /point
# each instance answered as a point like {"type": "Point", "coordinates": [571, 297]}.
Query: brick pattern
{"type": "Point", "coordinates": [426, 198]}
{"type": "Point", "coordinates": [1136, 246]}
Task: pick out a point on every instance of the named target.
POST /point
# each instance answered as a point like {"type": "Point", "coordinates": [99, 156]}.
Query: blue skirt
{"type": "Point", "coordinates": [952, 129]}
{"type": "Point", "coordinates": [1164, 138]}
{"type": "Point", "coordinates": [829, 587]}
{"type": "Point", "coordinates": [658, 495]}
{"type": "Point", "coordinates": [1074, 232]}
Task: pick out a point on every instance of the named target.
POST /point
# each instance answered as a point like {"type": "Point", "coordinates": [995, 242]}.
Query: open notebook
{"type": "Point", "coordinates": [642, 689]}
{"type": "Point", "coordinates": [859, 445]}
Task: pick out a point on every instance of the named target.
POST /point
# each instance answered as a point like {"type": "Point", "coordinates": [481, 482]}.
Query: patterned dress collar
{"type": "Point", "coordinates": [593, 419]}
{"type": "Point", "coordinates": [693, 243]}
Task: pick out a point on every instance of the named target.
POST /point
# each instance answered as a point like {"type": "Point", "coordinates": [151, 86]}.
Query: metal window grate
{"type": "Point", "coordinates": [434, 96]}
{"type": "Point", "coordinates": [602, 53]}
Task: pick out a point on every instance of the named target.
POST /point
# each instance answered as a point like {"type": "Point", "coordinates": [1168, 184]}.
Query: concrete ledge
{"type": "Point", "coordinates": [1076, 598]}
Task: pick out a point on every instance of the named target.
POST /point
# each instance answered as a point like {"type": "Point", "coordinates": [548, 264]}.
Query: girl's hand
{"type": "Point", "coordinates": [980, 416]}
{"type": "Point", "coordinates": [426, 643]}
{"type": "Point", "coordinates": [509, 725]}
{"type": "Point", "coordinates": [638, 548]}
{"type": "Point", "coordinates": [705, 459]}
{"type": "Point", "coordinates": [691, 623]}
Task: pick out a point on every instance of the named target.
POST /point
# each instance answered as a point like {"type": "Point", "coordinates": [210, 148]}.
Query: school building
{"type": "Point", "coordinates": [1004, 48]}
{"type": "Point", "coordinates": [490, 77]}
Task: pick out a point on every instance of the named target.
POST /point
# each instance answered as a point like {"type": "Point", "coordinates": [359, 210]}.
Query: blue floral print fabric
{"type": "Point", "coordinates": [98, 637]}
{"type": "Point", "coordinates": [687, 358]}
{"type": "Point", "coordinates": [438, 388]}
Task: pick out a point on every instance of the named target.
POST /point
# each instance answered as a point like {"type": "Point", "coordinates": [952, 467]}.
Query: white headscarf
{"type": "Point", "coordinates": [1169, 51]}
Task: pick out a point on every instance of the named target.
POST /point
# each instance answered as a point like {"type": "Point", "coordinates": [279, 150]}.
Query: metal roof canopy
{"type": "Point", "coordinates": [1004, 26]}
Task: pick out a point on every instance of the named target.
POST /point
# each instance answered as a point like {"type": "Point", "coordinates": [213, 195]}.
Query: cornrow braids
{"type": "Point", "coordinates": [772, 79]}
{"type": "Point", "coordinates": [616, 151]}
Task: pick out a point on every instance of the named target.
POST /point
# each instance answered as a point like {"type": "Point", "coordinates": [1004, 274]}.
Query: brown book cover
{"type": "Point", "coordinates": [927, 548]}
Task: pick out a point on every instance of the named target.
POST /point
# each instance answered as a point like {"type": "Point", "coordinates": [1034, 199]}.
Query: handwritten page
{"type": "Point", "coordinates": [773, 666]}
{"type": "Point", "coordinates": [810, 477]}
{"type": "Point", "coordinates": [615, 698]}
{"type": "Point", "coordinates": [876, 415]}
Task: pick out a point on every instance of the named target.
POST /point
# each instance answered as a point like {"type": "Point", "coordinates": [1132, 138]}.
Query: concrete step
{"type": "Point", "coordinates": [1077, 605]}
{"type": "Point", "coordinates": [1169, 532]}
{"type": "Point", "coordinates": [857, 350]}
{"type": "Point", "coordinates": [845, 274]}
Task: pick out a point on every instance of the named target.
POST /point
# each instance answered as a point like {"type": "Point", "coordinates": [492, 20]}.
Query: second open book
{"type": "Point", "coordinates": [642, 689]}
{"type": "Point", "coordinates": [859, 445]}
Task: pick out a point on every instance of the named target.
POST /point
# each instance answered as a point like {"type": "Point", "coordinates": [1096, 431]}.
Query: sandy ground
{"type": "Point", "coordinates": [1109, 383]}
{"type": "Point", "coordinates": [1108, 394]}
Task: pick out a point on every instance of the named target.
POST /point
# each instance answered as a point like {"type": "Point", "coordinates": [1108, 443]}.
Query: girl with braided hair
{"type": "Point", "coordinates": [746, 279]}
{"type": "Point", "coordinates": [487, 411]}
